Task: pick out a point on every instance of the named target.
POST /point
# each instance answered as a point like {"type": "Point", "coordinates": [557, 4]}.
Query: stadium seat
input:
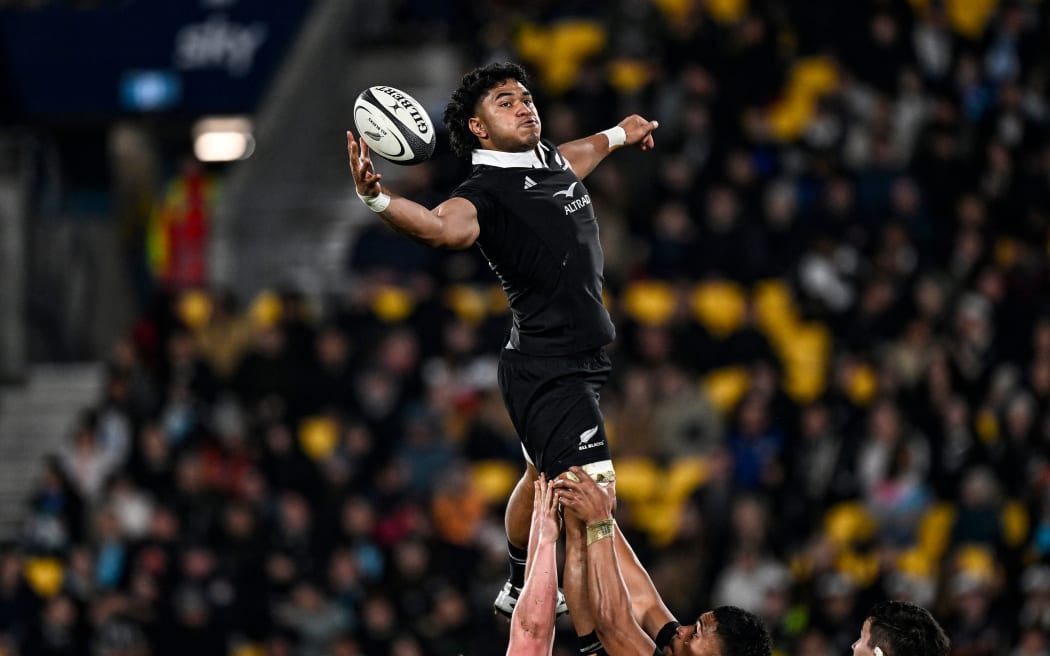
{"type": "Point", "coordinates": [718, 305]}
{"type": "Point", "coordinates": [638, 479]}
{"type": "Point", "coordinates": [650, 303]}
{"type": "Point", "coordinates": [725, 387]}
{"type": "Point", "coordinates": [495, 479]}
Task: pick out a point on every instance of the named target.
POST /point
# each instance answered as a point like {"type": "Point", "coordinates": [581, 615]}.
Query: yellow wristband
{"type": "Point", "coordinates": [600, 530]}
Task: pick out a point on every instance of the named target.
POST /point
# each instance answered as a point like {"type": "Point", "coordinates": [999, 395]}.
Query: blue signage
{"type": "Point", "coordinates": [189, 56]}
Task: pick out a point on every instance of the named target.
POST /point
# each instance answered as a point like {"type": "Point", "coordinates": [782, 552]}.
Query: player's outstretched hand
{"type": "Point", "coordinates": [639, 131]}
{"type": "Point", "coordinates": [585, 498]}
{"type": "Point", "coordinates": [365, 176]}
{"type": "Point", "coordinates": [546, 523]}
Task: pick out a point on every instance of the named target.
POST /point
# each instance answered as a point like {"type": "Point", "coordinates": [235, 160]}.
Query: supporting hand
{"type": "Point", "coordinates": [361, 167]}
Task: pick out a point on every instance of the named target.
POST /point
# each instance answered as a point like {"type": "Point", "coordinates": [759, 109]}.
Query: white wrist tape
{"type": "Point", "coordinates": [376, 203]}
{"type": "Point", "coordinates": [617, 136]}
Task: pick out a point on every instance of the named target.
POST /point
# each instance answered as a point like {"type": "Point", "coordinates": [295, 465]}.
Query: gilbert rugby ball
{"type": "Point", "coordinates": [394, 125]}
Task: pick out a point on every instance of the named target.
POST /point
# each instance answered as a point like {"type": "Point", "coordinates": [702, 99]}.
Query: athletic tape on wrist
{"type": "Point", "coordinates": [376, 203]}
{"type": "Point", "coordinates": [617, 136]}
{"type": "Point", "coordinates": [600, 530]}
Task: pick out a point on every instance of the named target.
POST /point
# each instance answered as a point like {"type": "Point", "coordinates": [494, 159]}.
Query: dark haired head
{"type": "Point", "coordinates": [742, 633]}
{"type": "Point", "coordinates": [903, 629]}
{"type": "Point", "coordinates": [465, 99]}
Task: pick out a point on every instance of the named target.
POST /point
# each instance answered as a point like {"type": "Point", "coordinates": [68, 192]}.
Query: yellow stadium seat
{"type": "Point", "coordinates": [637, 479]}
{"type": "Point", "coordinates": [468, 303]}
{"type": "Point", "coordinates": [987, 426]}
{"type": "Point", "coordinates": [659, 520]}
{"type": "Point", "coordinates": [684, 476]}
{"type": "Point", "coordinates": [970, 17]}
{"type": "Point", "coordinates": [1015, 523]}
{"type": "Point", "coordinates": [675, 10]}
{"type": "Point", "coordinates": [495, 479]}
{"type": "Point", "coordinates": [266, 309]}
{"type": "Point", "coordinates": [719, 306]}
{"type": "Point", "coordinates": [774, 307]}
{"type": "Point", "coordinates": [935, 530]}
{"type": "Point", "coordinates": [194, 308]}
{"type": "Point", "coordinates": [44, 575]}
{"type": "Point", "coordinates": [392, 304]}
{"type": "Point", "coordinates": [977, 561]}
{"type": "Point", "coordinates": [806, 353]}
{"type": "Point", "coordinates": [726, 12]}
{"type": "Point", "coordinates": [848, 523]}
{"type": "Point", "coordinates": [318, 436]}
{"type": "Point", "coordinates": [861, 568]}
{"type": "Point", "coordinates": [650, 302]}
{"type": "Point", "coordinates": [558, 50]}
{"type": "Point", "coordinates": [809, 80]}
{"type": "Point", "coordinates": [862, 385]}
{"type": "Point", "coordinates": [629, 76]}
{"type": "Point", "coordinates": [726, 386]}
{"type": "Point", "coordinates": [804, 384]}
{"type": "Point", "coordinates": [916, 563]}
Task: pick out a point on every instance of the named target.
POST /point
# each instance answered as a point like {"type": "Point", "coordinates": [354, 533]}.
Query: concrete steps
{"type": "Point", "coordinates": [35, 420]}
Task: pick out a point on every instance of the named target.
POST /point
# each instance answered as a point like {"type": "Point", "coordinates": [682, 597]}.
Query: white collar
{"type": "Point", "coordinates": [526, 160]}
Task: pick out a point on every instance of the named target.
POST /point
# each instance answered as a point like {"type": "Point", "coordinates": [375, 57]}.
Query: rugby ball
{"type": "Point", "coordinates": [394, 125]}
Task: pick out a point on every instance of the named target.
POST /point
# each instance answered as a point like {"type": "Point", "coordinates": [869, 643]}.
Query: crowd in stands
{"type": "Point", "coordinates": [831, 378]}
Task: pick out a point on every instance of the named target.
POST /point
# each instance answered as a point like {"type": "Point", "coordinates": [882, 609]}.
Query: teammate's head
{"type": "Point", "coordinates": [465, 102]}
{"type": "Point", "coordinates": [724, 631]}
{"type": "Point", "coordinates": [900, 628]}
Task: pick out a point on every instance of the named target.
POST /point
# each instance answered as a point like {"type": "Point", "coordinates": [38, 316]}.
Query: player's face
{"type": "Point", "coordinates": [507, 119]}
{"type": "Point", "coordinates": [860, 647]}
{"type": "Point", "coordinates": [699, 639]}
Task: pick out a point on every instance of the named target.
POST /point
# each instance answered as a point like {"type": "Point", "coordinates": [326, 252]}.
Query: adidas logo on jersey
{"type": "Point", "coordinates": [529, 182]}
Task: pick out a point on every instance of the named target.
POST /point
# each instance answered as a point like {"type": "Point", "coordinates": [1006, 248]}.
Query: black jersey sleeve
{"type": "Point", "coordinates": [481, 200]}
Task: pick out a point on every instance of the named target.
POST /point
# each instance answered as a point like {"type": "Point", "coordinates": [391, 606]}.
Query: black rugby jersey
{"type": "Point", "coordinates": [540, 236]}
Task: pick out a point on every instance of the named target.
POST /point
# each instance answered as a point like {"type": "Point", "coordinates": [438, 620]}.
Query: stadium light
{"type": "Point", "coordinates": [223, 139]}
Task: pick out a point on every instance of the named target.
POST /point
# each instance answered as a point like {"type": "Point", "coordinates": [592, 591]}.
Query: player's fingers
{"type": "Point", "coordinates": [566, 484]}
{"type": "Point", "coordinates": [552, 502]}
{"type": "Point", "coordinates": [351, 148]}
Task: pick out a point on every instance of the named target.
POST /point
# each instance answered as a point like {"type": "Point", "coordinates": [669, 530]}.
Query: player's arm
{"type": "Point", "coordinates": [585, 154]}
{"type": "Point", "coordinates": [452, 224]}
{"type": "Point", "coordinates": [609, 598]}
{"type": "Point", "coordinates": [646, 603]}
{"type": "Point", "coordinates": [647, 606]}
{"type": "Point", "coordinates": [532, 623]}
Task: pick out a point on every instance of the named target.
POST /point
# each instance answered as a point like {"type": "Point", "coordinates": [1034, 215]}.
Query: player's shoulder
{"type": "Point", "coordinates": [552, 156]}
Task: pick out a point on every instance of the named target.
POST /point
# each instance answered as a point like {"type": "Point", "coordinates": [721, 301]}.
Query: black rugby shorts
{"type": "Point", "coordinates": [553, 402]}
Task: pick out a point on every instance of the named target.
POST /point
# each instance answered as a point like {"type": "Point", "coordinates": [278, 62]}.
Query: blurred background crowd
{"type": "Point", "coordinates": [831, 378]}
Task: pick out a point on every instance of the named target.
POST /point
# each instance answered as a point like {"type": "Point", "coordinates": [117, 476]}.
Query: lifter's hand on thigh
{"type": "Point", "coordinates": [585, 498]}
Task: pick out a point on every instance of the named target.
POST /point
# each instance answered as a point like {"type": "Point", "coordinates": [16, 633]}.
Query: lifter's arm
{"type": "Point", "coordinates": [532, 623]}
{"type": "Point", "coordinates": [452, 224]}
{"type": "Point", "coordinates": [586, 153]}
{"type": "Point", "coordinates": [646, 604]}
{"type": "Point", "coordinates": [609, 598]}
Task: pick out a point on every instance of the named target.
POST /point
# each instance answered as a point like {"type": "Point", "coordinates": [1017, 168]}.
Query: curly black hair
{"type": "Point", "coordinates": [902, 628]}
{"type": "Point", "coordinates": [742, 633]}
{"type": "Point", "coordinates": [463, 104]}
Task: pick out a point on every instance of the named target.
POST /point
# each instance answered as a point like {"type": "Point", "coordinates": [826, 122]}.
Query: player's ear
{"type": "Point", "coordinates": [477, 127]}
